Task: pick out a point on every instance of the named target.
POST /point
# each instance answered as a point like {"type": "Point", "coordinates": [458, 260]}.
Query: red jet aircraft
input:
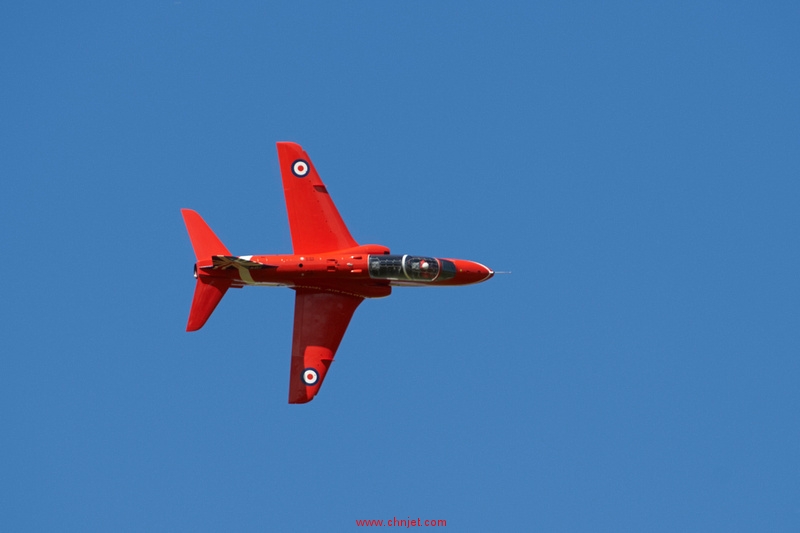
{"type": "Point", "coordinates": [329, 272]}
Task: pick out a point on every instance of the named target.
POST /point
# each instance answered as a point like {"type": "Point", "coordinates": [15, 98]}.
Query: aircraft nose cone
{"type": "Point", "coordinates": [472, 272]}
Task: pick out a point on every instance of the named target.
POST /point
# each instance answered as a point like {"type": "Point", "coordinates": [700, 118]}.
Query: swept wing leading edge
{"type": "Point", "coordinates": [320, 318]}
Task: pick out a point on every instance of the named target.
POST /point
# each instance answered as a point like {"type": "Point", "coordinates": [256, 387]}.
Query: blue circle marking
{"type": "Point", "coordinates": [310, 376]}
{"type": "Point", "coordinates": [300, 168]}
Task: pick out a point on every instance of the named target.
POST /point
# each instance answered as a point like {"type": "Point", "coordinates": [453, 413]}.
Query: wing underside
{"type": "Point", "coordinates": [320, 320]}
{"type": "Point", "coordinates": [314, 221]}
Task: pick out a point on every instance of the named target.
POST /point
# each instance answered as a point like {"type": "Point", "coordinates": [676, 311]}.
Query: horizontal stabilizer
{"type": "Point", "coordinates": [204, 241]}
{"type": "Point", "coordinates": [207, 291]}
{"type": "Point", "coordinates": [207, 294]}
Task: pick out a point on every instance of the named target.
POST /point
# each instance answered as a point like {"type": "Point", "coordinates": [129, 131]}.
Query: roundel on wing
{"type": "Point", "coordinates": [300, 168]}
{"type": "Point", "coordinates": [310, 376]}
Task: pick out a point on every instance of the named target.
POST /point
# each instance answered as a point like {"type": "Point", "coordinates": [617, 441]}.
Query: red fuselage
{"type": "Point", "coordinates": [359, 271]}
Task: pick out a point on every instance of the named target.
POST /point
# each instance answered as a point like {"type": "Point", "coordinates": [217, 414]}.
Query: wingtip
{"type": "Point", "coordinates": [301, 395]}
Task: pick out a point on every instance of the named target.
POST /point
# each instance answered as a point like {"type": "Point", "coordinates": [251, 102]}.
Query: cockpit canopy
{"type": "Point", "coordinates": [410, 268]}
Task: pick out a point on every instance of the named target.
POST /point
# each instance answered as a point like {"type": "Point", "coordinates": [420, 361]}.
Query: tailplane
{"type": "Point", "coordinates": [207, 295]}
{"type": "Point", "coordinates": [209, 290]}
{"type": "Point", "coordinates": [204, 242]}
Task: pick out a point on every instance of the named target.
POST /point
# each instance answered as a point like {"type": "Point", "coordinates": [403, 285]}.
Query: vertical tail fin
{"type": "Point", "coordinates": [208, 291]}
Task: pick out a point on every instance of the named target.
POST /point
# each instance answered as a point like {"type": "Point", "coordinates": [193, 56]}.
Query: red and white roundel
{"type": "Point", "coordinates": [300, 168]}
{"type": "Point", "coordinates": [310, 376]}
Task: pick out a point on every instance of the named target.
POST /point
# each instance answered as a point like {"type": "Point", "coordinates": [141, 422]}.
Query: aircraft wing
{"type": "Point", "coordinates": [320, 320]}
{"type": "Point", "coordinates": [314, 221]}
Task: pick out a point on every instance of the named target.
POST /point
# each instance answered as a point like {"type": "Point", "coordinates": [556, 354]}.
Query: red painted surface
{"type": "Point", "coordinates": [469, 272]}
{"type": "Point", "coordinates": [314, 221]}
{"type": "Point", "coordinates": [320, 320]}
{"type": "Point", "coordinates": [328, 270]}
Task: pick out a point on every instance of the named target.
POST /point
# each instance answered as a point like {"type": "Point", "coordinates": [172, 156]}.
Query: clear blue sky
{"type": "Point", "coordinates": [636, 165]}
